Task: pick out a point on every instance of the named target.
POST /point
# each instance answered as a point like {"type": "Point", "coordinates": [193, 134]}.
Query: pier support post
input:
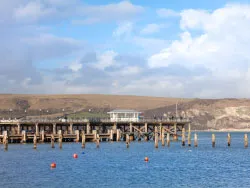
{"type": "Point", "coordinates": [183, 137]}
{"type": "Point", "coordinates": [111, 135]}
{"type": "Point", "coordinates": [35, 141]}
{"type": "Point", "coordinates": [228, 139]}
{"type": "Point", "coordinates": [24, 136]}
{"type": "Point", "coordinates": [60, 138]}
{"type": "Point", "coordinates": [127, 140]}
{"type": "Point", "coordinates": [168, 139]}
{"type": "Point", "coordinates": [77, 135]}
{"type": "Point", "coordinates": [54, 128]}
{"type": "Point", "coordinates": [71, 128]}
{"type": "Point", "coordinates": [163, 137]}
{"type": "Point", "coordinates": [5, 140]}
{"type": "Point", "coordinates": [42, 136]}
{"type": "Point", "coordinates": [95, 134]}
{"type": "Point", "coordinates": [18, 129]}
{"type": "Point", "coordinates": [175, 136]}
{"type": "Point", "coordinates": [156, 137]}
{"type": "Point", "coordinates": [118, 135]}
{"type": "Point", "coordinates": [97, 141]}
{"type": "Point", "coordinates": [195, 140]}
{"type": "Point", "coordinates": [115, 126]}
{"type": "Point", "coordinates": [52, 141]}
{"type": "Point", "coordinates": [130, 127]}
{"type": "Point", "coordinates": [88, 128]}
{"type": "Point", "coordinates": [83, 139]}
{"type": "Point", "coordinates": [246, 140]}
{"type": "Point", "coordinates": [213, 140]}
{"type": "Point", "coordinates": [160, 131]}
{"type": "Point", "coordinates": [189, 135]}
{"type": "Point", "coordinates": [146, 127]}
{"type": "Point", "coordinates": [37, 129]}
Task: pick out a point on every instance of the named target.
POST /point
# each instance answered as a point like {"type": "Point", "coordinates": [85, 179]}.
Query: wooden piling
{"type": "Point", "coordinates": [228, 139]}
{"type": "Point", "coordinates": [97, 141]}
{"type": "Point", "coordinates": [168, 139]}
{"type": "Point", "coordinates": [5, 140]}
{"type": "Point", "coordinates": [213, 140]}
{"type": "Point", "coordinates": [77, 135]}
{"type": "Point", "coordinates": [175, 136]}
{"type": "Point", "coordinates": [35, 141]}
{"type": "Point", "coordinates": [127, 140]}
{"type": "Point", "coordinates": [189, 135]}
{"type": "Point", "coordinates": [54, 128]}
{"type": "Point", "coordinates": [52, 141]}
{"type": "Point", "coordinates": [88, 128]}
{"type": "Point", "coordinates": [71, 128]}
{"type": "Point", "coordinates": [118, 135]}
{"type": "Point", "coordinates": [111, 135]}
{"type": "Point", "coordinates": [130, 127]}
{"type": "Point", "coordinates": [195, 140]}
{"type": "Point", "coordinates": [163, 137]}
{"type": "Point", "coordinates": [37, 129]}
{"type": "Point", "coordinates": [156, 137]}
{"type": "Point", "coordinates": [246, 140]}
{"type": "Point", "coordinates": [18, 129]}
{"type": "Point", "coordinates": [60, 139]}
{"type": "Point", "coordinates": [160, 131]}
{"type": "Point", "coordinates": [24, 136]}
{"type": "Point", "coordinates": [183, 137]}
{"type": "Point", "coordinates": [83, 140]}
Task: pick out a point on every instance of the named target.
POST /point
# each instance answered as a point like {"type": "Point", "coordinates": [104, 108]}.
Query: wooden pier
{"type": "Point", "coordinates": [23, 131]}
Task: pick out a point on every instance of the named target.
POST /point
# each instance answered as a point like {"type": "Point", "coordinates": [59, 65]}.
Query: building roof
{"type": "Point", "coordinates": [123, 111]}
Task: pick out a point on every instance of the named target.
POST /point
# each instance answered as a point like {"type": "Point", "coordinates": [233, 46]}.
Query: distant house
{"type": "Point", "coordinates": [125, 115]}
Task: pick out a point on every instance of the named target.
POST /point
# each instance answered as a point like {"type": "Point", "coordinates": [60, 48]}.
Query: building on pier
{"type": "Point", "coordinates": [121, 115]}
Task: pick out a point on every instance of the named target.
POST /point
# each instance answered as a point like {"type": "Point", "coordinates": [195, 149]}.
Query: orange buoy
{"type": "Point", "coordinates": [53, 165]}
{"type": "Point", "coordinates": [75, 156]}
{"type": "Point", "coordinates": [146, 159]}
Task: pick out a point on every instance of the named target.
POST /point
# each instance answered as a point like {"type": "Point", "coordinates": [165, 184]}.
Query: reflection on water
{"type": "Point", "coordinates": [113, 165]}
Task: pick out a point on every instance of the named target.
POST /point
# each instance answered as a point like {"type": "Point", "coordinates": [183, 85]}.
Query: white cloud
{"type": "Point", "coordinates": [152, 28]}
{"type": "Point", "coordinates": [123, 29]}
{"type": "Point", "coordinates": [165, 13]}
{"type": "Point", "coordinates": [106, 59]}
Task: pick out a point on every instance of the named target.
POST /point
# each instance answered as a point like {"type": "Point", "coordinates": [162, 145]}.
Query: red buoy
{"type": "Point", "coordinates": [146, 159]}
{"type": "Point", "coordinates": [75, 156]}
{"type": "Point", "coordinates": [53, 165]}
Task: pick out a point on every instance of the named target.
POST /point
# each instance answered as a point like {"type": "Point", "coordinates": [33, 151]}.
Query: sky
{"type": "Point", "coordinates": [164, 48]}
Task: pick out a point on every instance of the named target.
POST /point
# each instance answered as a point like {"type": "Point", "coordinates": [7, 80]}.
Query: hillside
{"type": "Point", "coordinates": [204, 113]}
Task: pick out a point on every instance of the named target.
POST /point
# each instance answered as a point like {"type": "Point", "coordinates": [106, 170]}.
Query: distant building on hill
{"type": "Point", "coordinates": [122, 115]}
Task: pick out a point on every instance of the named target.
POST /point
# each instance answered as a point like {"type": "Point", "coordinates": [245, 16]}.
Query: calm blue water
{"type": "Point", "coordinates": [113, 165]}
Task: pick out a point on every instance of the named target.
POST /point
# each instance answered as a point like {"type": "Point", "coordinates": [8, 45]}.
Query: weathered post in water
{"type": "Point", "coordinates": [60, 138]}
{"type": "Point", "coordinates": [52, 141]}
{"type": "Point", "coordinates": [183, 137]}
{"type": "Point", "coordinates": [77, 135]}
{"type": "Point", "coordinates": [24, 136]}
{"type": "Point", "coordinates": [42, 136]}
{"type": "Point", "coordinates": [97, 141]}
{"type": "Point", "coordinates": [127, 140]}
{"type": "Point", "coordinates": [156, 137]}
{"type": "Point", "coordinates": [195, 140]}
{"type": "Point", "coordinates": [146, 132]}
{"type": "Point", "coordinates": [168, 139]}
{"type": "Point", "coordinates": [189, 135]}
{"type": "Point", "coordinates": [118, 135]}
{"type": "Point", "coordinates": [246, 140]}
{"type": "Point", "coordinates": [5, 140]}
{"type": "Point", "coordinates": [163, 137]}
{"type": "Point", "coordinates": [35, 141]}
{"type": "Point", "coordinates": [213, 140]}
{"type": "Point", "coordinates": [228, 139]}
{"type": "Point", "coordinates": [83, 140]}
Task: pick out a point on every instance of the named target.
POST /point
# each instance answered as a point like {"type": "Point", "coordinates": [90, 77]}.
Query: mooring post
{"type": "Point", "coordinates": [35, 141]}
{"type": "Point", "coordinates": [213, 140]}
{"type": "Point", "coordinates": [54, 128]}
{"type": "Point", "coordinates": [97, 141]}
{"type": "Point", "coordinates": [60, 138]}
{"type": "Point", "coordinates": [168, 139]}
{"type": "Point", "coordinates": [163, 136]}
{"type": "Point", "coordinates": [246, 140]}
{"type": "Point", "coordinates": [77, 135]}
{"type": "Point", "coordinates": [118, 135]}
{"type": "Point", "coordinates": [189, 135]}
{"type": "Point", "coordinates": [42, 136]}
{"type": "Point", "coordinates": [228, 139]}
{"type": "Point", "coordinates": [24, 136]}
{"type": "Point", "coordinates": [37, 129]}
{"type": "Point", "coordinates": [88, 128]}
{"type": "Point", "coordinates": [195, 140]}
{"type": "Point", "coordinates": [156, 137]}
{"type": "Point", "coordinates": [71, 128]}
{"type": "Point", "coordinates": [52, 141]}
{"type": "Point", "coordinates": [5, 140]}
{"type": "Point", "coordinates": [83, 139]}
{"type": "Point", "coordinates": [183, 137]}
{"type": "Point", "coordinates": [127, 140]}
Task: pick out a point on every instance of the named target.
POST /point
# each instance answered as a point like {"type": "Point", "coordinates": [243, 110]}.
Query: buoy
{"type": "Point", "coordinates": [75, 156]}
{"type": "Point", "coordinates": [53, 165]}
{"type": "Point", "coordinates": [146, 159]}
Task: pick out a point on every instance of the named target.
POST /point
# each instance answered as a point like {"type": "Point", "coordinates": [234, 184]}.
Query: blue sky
{"type": "Point", "coordinates": [173, 48]}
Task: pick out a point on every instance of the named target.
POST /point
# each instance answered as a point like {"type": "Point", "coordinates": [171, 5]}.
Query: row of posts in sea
{"type": "Point", "coordinates": [163, 137]}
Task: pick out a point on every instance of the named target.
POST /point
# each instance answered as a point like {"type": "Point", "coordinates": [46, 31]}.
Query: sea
{"type": "Point", "coordinates": [114, 165]}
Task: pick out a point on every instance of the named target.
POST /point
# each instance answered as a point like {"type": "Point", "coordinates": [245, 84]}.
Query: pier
{"type": "Point", "coordinates": [85, 130]}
